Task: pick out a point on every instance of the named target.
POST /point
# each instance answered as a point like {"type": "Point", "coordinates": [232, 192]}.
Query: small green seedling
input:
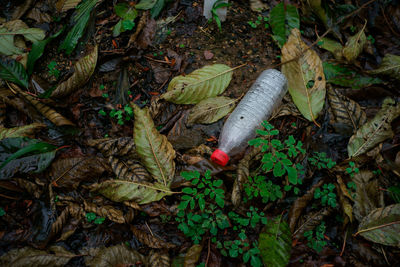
{"type": "Point", "coordinates": [328, 198]}
{"type": "Point", "coordinates": [352, 169]}
{"type": "Point", "coordinates": [317, 241]}
{"type": "Point", "coordinates": [90, 216]}
{"type": "Point", "coordinates": [52, 66]}
{"type": "Point", "coordinates": [371, 39]}
{"type": "Point", "coordinates": [260, 20]}
{"type": "Point", "coordinates": [260, 186]}
{"type": "Point", "coordinates": [321, 161]}
{"type": "Point", "coordinates": [217, 5]}
{"type": "Point", "coordinates": [2, 212]}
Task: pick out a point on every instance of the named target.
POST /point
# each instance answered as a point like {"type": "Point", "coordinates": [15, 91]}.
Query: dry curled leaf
{"type": "Point", "coordinates": [305, 76]}
{"type": "Point", "coordinates": [345, 111]}
{"type": "Point", "coordinates": [192, 256]}
{"type": "Point", "coordinates": [211, 110]}
{"type": "Point", "coordinates": [84, 69]}
{"type": "Point", "coordinates": [129, 170]}
{"type": "Point", "coordinates": [158, 259]}
{"type": "Point", "coordinates": [27, 256]}
{"type": "Point", "coordinates": [300, 204]}
{"type": "Point", "coordinates": [203, 83]}
{"type": "Point", "coordinates": [374, 131]}
{"type": "Point", "coordinates": [26, 130]}
{"type": "Point", "coordinates": [32, 188]}
{"type": "Point", "coordinates": [119, 255]}
{"type": "Point", "coordinates": [149, 240]}
{"type": "Point", "coordinates": [310, 220]}
{"type": "Point", "coordinates": [390, 66]}
{"type": "Point", "coordinates": [70, 172]}
{"type": "Point", "coordinates": [45, 110]}
{"type": "Point", "coordinates": [344, 202]}
{"type": "Point", "coordinates": [368, 196]}
{"type": "Point", "coordinates": [105, 211]}
{"type": "Point", "coordinates": [123, 146]}
{"type": "Point", "coordinates": [355, 45]}
{"type": "Point", "coordinates": [156, 153]}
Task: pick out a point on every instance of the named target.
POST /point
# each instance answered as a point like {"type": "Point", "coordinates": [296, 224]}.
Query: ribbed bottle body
{"type": "Point", "coordinates": [257, 105]}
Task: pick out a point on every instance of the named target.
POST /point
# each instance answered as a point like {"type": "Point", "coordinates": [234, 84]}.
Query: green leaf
{"type": "Point", "coordinates": [203, 83]}
{"type": "Point", "coordinates": [374, 131]}
{"type": "Point", "coordinates": [306, 70]}
{"type": "Point", "coordinates": [13, 71]}
{"type": "Point", "coordinates": [125, 11]}
{"type": "Point", "coordinates": [390, 66]}
{"type": "Point", "coordinates": [24, 155]}
{"type": "Point", "coordinates": [90, 216]}
{"type": "Point", "coordinates": [275, 242]}
{"type": "Point", "coordinates": [332, 46]}
{"type": "Point", "coordinates": [283, 18]}
{"type": "Point", "coordinates": [394, 192]}
{"type": "Point", "coordinates": [21, 131]}
{"type": "Point", "coordinates": [355, 45]}
{"type": "Point", "coordinates": [13, 28]}
{"type": "Point", "coordinates": [157, 8]}
{"type": "Point", "coordinates": [37, 51]}
{"type": "Point", "coordinates": [340, 75]}
{"type": "Point", "coordinates": [382, 226]}
{"type": "Point", "coordinates": [211, 110]}
{"type": "Point", "coordinates": [124, 190]}
{"type": "Point", "coordinates": [79, 22]}
{"type": "Point", "coordinates": [278, 169]}
{"type": "Point", "coordinates": [155, 151]}
{"type": "Point", "coordinates": [146, 4]}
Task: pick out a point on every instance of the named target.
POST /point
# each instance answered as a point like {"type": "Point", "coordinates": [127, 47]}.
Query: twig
{"type": "Point", "coordinates": [344, 244]}
{"type": "Point", "coordinates": [208, 253]}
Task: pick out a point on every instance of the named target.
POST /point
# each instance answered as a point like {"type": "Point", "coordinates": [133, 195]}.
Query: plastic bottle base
{"type": "Point", "coordinates": [220, 157]}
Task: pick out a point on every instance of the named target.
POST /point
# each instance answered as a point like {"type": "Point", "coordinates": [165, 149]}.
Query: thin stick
{"type": "Point", "coordinates": [344, 244]}
{"type": "Point", "coordinates": [208, 253]}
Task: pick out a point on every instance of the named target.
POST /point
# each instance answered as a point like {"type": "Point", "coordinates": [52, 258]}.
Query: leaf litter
{"type": "Point", "coordinates": [94, 170]}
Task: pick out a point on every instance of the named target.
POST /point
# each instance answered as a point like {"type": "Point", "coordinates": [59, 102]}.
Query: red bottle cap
{"type": "Point", "coordinates": [220, 157]}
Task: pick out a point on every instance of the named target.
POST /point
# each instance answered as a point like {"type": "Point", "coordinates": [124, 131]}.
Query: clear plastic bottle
{"type": "Point", "coordinates": [257, 105]}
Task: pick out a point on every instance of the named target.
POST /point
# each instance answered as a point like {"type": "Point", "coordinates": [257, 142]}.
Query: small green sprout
{"type": "Point", "coordinates": [90, 216]}
{"type": "Point", "coordinates": [328, 198]}
{"type": "Point", "coordinates": [2, 212]}
{"type": "Point", "coordinates": [52, 66]}
{"type": "Point", "coordinates": [217, 5]}
{"type": "Point", "coordinates": [352, 169]}
{"type": "Point", "coordinates": [316, 241]}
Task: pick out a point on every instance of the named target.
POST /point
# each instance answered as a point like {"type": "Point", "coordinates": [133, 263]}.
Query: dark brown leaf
{"type": "Point", "coordinates": [150, 240]}
{"type": "Point", "coordinates": [105, 211]}
{"type": "Point", "coordinates": [192, 256]}
{"type": "Point", "coordinates": [158, 259]}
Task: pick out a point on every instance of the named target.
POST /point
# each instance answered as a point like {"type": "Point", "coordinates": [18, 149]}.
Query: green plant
{"type": "Point", "coordinates": [2, 212]}
{"type": "Point", "coordinates": [352, 169]}
{"type": "Point", "coordinates": [278, 155]}
{"type": "Point", "coordinates": [241, 247]}
{"type": "Point", "coordinates": [52, 66]}
{"type": "Point", "coordinates": [260, 20]}
{"type": "Point", "coordinates": [90, 216]}
{"type": "Point", "coordinates": [260, 187]}
{"type": "Point", "coordinates": [328, 198]}
{"type": "Point", "coordinates": [217, 5]}
{"type": "Point", "coordinates": [321, 161]}
{"type": "Point", "coordinates": [317, 241]}
{"type": "Point", "coordinates": [371, 39]}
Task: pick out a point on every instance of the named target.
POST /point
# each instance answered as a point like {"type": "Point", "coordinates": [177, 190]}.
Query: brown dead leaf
{"type": "Point", "coordinates": [158, 259]}
{"type": "Point", "coordinates": [147, 35]}
{"type": "Point", "coordinates": [150, 240]}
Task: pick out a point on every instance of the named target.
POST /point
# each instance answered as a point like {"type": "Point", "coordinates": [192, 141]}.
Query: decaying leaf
{"type": "Point", "coordinates": [59, 223]}
{"type": "Point", "coordinates": [13, 28]}
{"type": "Point", "coordinates": [355, 45]}
{"type": "Point", "coordinates": [390, 66]}
{"type": "Point", "coordinates": [332, 46]}
{"type": "Point", "coordinates": [305, 76]}
{"type": "Point", "coordinates": [45, 110]}
{"type": "Point", "coordinates": [129, 170]}
{"type": "Point", "coordinates": [275, 243]}
{"type": "Point", "coordinates": [300, 204]}
{"type": "Point", "coordinates": [158, 259]}
{"type": "Point", "coordinates": [257, 5]}
{"type": "Point", "coordinates": [382, 226]}
{"type": "Point", "coordinates": [156, 153]}
{"type": "Point", "coordinates": [84, 69]}
{"type": "Point", "coordinates": [211, 110]}
{"type": "Point", "coordinates": [311, 220]}
{"type": "Point", "coordinates": [344, 203]}
{"type": "Point", "coordinates": [149, 240]}
{"type": "Point", "coordinates": [65, 5]}
{"type": "Point", "coordinates": [192, 256]}
{"type": "Point", "coordinates": [368, 196]}
{"type": "Point", "coordinates": [374, 131]}
{"type": "Point", "coordinates": [141, 193]}
{"type": "Point", "coordinates": [27, 256]}
{"type": "Point", "coordinates": [105, 211]}
{"type": "Point", "coordinates": [123, 146]}
{"type": "Point", "coordinates": [70, 172]}
{"type": "Point", "coordinates": [287, 109]}
{"type": "Point", "coordinates": [32, 188]}
{"type": "Point", "coordinates": [344, 110]}
{"type": "Point", "coordinates": [21, 131]}
{"type": "Point", "coordinates": [203, 83]}
{"type": "Point", "coordinates": [119, 255]}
